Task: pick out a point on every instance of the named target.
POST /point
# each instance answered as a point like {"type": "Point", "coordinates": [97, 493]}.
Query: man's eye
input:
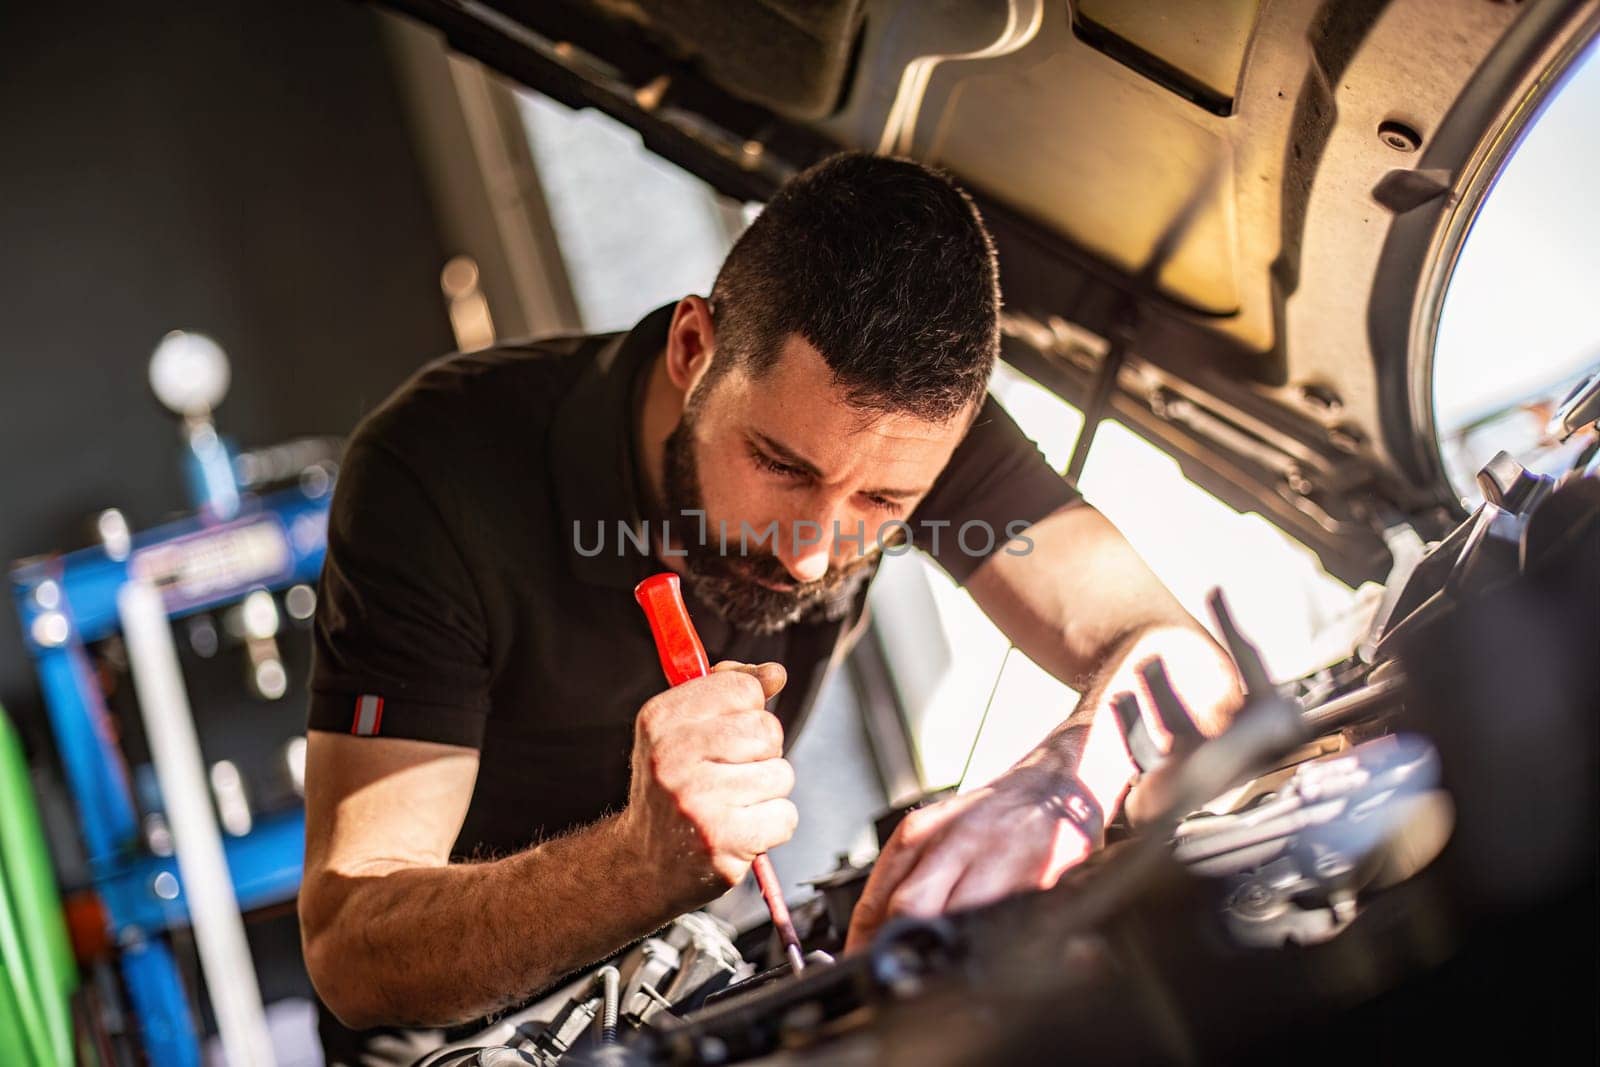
{"type": "Point", "coordinates": [883, 503]}
{"type": "Point", "coordinates": [766, 462]}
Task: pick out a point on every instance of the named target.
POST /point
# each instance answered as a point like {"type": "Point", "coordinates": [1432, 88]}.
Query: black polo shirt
{"type": "Point", "coordinates": [456, 607]}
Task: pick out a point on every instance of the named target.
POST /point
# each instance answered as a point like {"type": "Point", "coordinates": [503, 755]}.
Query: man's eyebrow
{"type": "Point", "coordinates": [895, 494]}
{"type": "Point", "coordinates": [782, 451]}
{"type": "Point", "coordinates": [788, 455]}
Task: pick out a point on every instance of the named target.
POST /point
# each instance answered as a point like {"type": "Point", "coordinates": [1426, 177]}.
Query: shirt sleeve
{"type": "Point", "coordinates": [996, 484]}
{"type": "Point", "coordinates": [400, 644]}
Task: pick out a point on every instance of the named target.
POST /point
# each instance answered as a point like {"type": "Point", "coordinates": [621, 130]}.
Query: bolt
{"type": "Point", "coordinates": [1253, 901]}
{"type": "Point", "coordinates": [1399, 136]}
{"type": "Point", "coordinates": [1320, 399]}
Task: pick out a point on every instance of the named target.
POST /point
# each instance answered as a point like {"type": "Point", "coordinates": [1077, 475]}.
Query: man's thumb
{"type": "Point", "coordinates": [772, 676]}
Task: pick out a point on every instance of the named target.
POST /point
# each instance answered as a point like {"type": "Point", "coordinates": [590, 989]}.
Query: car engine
{"type": "Point", "coordinates": [1360, 864]}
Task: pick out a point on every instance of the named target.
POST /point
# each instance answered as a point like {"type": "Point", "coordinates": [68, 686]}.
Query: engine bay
{"type": "Point", "coordinates": [1366, 857]}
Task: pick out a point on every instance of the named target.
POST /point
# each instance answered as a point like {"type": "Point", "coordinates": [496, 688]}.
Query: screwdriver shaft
{"type": "Point", "coordinates": [778, 908]}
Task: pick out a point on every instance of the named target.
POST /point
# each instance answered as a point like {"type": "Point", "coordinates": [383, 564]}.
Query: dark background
{"type": "Point", "coordinates": [238, 167]}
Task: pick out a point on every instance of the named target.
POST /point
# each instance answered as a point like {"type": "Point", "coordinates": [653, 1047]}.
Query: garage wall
{"type": "Point", "coordinates": [240, 167]}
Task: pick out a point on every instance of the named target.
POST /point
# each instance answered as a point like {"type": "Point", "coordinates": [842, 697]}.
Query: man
{"type": "Point", "coordinates": [498, 789]}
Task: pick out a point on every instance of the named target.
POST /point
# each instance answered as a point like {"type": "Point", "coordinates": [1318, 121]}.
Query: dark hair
{"type": "Point", "coordinates": [885, 267]}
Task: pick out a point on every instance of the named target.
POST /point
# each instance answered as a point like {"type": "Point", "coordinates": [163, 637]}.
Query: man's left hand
{"type": "Point", "coordinates": [1020, 832]}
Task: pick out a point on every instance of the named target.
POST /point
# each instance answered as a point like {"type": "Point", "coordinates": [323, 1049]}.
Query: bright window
{"type": "Point", "coordinates": [635, 230]}
{"type": "Point", "coordinates": [947, 656]}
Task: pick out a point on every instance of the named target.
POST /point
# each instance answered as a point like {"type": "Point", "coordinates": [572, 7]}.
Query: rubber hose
{"type": "Point", "coordinates": [26, 877]}
{"type": "Point", "coordinates": [20, 1007]}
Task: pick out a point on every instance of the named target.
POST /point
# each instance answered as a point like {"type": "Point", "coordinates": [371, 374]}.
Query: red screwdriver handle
{"type": "Point", "coordinates": [683, 658]}
{"type": "Point", "coordinates": [682, 655]}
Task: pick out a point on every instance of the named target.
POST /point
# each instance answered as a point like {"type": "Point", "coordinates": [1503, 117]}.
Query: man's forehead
{"type": "Point", "coordinates": [797, 393]}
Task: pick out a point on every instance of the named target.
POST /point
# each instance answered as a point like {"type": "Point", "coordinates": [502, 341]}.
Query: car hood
{"type": "Point", "coordinates": [1227, 225]}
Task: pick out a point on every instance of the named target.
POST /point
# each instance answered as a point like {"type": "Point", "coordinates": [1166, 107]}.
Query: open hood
{"type": "Point", "coordinates": [1227, 225]}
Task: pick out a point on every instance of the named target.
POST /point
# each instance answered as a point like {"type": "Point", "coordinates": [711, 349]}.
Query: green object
{"type": "Point", "coordinates": [39, 975]}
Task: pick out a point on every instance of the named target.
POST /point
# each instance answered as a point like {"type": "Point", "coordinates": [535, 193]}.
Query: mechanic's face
{"type": "Point", "coordinates": [786, 451]}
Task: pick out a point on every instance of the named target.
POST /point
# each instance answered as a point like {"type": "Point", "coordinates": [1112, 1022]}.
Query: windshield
{"type": "Point", "coordinates": [1520, 323]}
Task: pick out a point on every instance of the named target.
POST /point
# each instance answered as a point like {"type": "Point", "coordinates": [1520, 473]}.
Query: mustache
{"type": "Point", "coordinates": [732, 586]}
{"type": "Point", "coordinates": [738, 594]}
{"type": "Point", "coordinates": [770, 569]}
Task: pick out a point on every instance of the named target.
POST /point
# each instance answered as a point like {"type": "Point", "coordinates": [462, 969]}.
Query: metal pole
{"type": "Point", "coordinates": [207, 885]}
{"type": "Point", "coordinates": [1099, 398]}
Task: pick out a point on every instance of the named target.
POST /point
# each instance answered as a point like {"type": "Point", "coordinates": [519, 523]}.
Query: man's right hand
{"type": "Point", "coordinates": [710, 785]}
{"type": "Point", "coordinates": [708, 795]}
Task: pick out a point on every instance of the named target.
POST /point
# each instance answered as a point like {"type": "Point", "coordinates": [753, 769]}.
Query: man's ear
{"type": "Point", "coordinates": [691, 343]}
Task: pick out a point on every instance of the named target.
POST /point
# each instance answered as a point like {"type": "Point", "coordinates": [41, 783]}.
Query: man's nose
{"type": "Point", "coordinates": [806, 554]}
{"type": "Point", "coordinates": [808, 542]}
{"type": "Point", "coordinates": [835, 536]}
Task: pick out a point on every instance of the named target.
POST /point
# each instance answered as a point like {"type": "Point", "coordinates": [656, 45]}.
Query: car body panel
{"type": "Point", "coordinates": [1253, 204]}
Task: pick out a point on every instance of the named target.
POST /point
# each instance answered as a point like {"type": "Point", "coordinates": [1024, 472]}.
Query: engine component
{"type": "Point", "coordinates": [674, 971]}
{"type": "Point", "coordinates": [1293, 876]}
{"type": "Point", "coordinates": [1295, 860]}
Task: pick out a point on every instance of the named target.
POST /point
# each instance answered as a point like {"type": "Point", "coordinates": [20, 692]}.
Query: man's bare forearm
{"type": "Point", "coordinates": [439, 945]}
{"type": "Point", "coordinates": [395, 934]}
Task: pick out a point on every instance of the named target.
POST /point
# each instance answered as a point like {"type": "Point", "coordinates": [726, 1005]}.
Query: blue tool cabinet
{"type": "Point", "coordinates": [67, 602]}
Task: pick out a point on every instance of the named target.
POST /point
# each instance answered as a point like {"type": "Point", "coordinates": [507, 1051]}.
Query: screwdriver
{"type": "Point", "coordinates": [683, 658]}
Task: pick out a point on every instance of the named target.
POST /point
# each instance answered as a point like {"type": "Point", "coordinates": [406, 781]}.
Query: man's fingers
{"type": "Point", "coordinates": [873, 907]}
{"type": "Point", "coordinates": [966, 852]}
{"type": "Point", "coordinates": [772, 676]}
{"type": "Point", "coordinates": [716, 694]}
{"type": "Point", "coordinates": [1037, 863]}
{"type": "Point", "coordinates": [749, 784]}
{"type": "Point", "coordinates": [894, 863]}
{"type": "Point", "coordinates": [771, 779]}
{"type": "Point", "coordinates": [985, 883]}
{"type": "Point", "coordinates": [1152, 795]}
{"type": "Point", "coordinates": [747, 736]}
{"type": "Point", "coordinates": [925, 892]}
{"type": "Point", "coordinates": [760, 827]}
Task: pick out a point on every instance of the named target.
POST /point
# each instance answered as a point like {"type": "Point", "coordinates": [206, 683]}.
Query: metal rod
{"type": "Point", "coordinates": [1099, 401]}
{"type": "Point", "coordinates": [1343, 709]}
{"type": "Point", "coordinates": [207, 886]}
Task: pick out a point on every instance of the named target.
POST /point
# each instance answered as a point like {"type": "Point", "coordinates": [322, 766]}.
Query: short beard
{"type": "Point", "coordinates": [731, 585]}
